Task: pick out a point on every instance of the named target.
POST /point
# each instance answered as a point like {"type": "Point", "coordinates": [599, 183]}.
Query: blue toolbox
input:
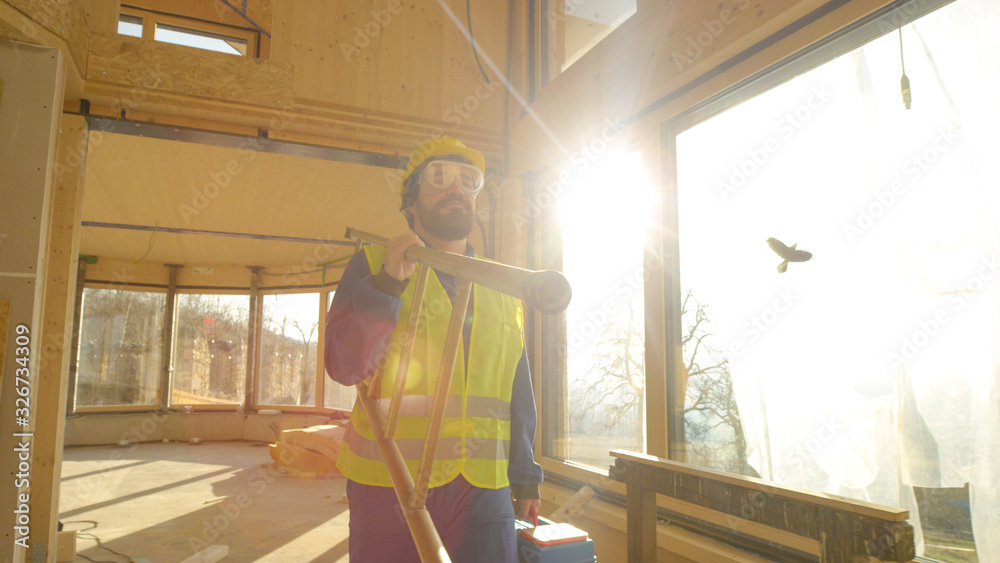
{"type": "Point", "coordinates": [550, 542]}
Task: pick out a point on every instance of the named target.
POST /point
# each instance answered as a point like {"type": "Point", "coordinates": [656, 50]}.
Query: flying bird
{"type": "Point", "coordinates": [787, 253]}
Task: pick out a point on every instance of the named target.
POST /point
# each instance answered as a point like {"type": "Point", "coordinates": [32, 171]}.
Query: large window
{"type": "Point", "coordinates": [120, 348]}
{"type": "Point", "coordinates": [210, 349]}
{"type": "Point", "coordinates": [870, 369]}
{"type": "Point", "coordinates": [288, 350]}
{"type": "Point", "coordinates": [603, 206]}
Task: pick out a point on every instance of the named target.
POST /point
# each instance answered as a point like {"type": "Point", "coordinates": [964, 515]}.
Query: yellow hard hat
{"type": "Point", "coordinates": [440, 146]}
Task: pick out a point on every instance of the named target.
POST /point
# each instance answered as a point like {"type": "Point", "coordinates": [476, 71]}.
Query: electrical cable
{"type": "Point", "coordinates": [496, 239]}
{"type": "Point", "coordinates": [100, 544]}
{"type": "Point", "coordinates": [149, 247]}
{"type": "Point", "coordinates": [96, 560]}
{"type": "Point", "coordinates": [472, 41]}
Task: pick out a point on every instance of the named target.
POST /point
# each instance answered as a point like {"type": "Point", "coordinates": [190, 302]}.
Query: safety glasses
{"type": "Point", "coordinates": [441, 174]}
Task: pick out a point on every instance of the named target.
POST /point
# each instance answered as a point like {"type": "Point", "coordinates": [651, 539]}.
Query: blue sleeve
{"type": "Point", "coordinates": [522, 471]}
{"type": "Point", "coordinates": [358, 325]}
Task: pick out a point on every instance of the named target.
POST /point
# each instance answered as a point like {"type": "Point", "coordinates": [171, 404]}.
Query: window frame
{"type": "Point", "coordinates": [662, 292]}
{"type": "Point", "coordinates": [151, 19]}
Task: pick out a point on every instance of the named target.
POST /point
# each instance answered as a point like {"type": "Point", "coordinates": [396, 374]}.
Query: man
{"type": "Point", "coordinates": [484, 456]}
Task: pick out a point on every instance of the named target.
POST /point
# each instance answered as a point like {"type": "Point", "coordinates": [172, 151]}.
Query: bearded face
{"type": "Point", "coordinates": [448, 216]}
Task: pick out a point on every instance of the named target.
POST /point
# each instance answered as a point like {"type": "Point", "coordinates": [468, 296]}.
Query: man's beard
{"type": "Point", "coordinates": [449, 224]}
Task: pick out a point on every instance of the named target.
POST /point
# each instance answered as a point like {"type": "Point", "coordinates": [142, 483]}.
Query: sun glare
{"type": "Point", "coordinates": [605, 216]}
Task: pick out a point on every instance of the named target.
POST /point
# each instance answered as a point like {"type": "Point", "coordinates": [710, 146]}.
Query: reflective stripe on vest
{"type": "Point", "coordinates": [420, 405]}
{"type": "Point", "coordinates": [413, 448]}
{"type": "Point", "coordinates": [475, 433]}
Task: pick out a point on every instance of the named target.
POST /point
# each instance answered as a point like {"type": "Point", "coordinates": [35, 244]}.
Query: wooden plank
{"type": "Point", "coordinates": [741, 525]}
{"type": "Point", "coordinates": [842, 530]}
{"type": "Point", "coordinates": [767, 487]}
{"type": "Point", "coordinates": [102, 15]}
{"type": "Point", "coordinates": [641, 510]}
{"type": "Point", "coordinates": [210, 554]}
{"type": "Point", "coordinates": [55, 334]}
{"type": "Point", "coordinates": [573, 504]}
{"type": "Point", "coordinates": [606, 523]}
{"type": "Point", "coordinates": [151, 65]}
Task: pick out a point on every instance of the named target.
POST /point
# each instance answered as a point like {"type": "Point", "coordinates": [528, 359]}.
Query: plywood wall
{"type": "Point", "coordinates": [403, 57]}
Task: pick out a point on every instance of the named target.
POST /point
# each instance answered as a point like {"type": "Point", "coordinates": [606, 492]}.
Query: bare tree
{"type": "Point", "coordinates": [615, 384]}
{"type": "Point", "coordinates": [614, 388]}
{"type": "Point", "coordinates": [307, 377]}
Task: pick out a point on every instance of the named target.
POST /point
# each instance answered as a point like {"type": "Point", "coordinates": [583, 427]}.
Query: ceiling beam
{"type": "Point", "coordinates": [244, 142]}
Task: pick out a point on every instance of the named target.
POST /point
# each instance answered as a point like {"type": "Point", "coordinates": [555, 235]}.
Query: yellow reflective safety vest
{"type": "Point", "coordinates": [475, 432]}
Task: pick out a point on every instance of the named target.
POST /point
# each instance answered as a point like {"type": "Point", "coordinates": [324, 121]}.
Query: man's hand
{"type": "Point", "coordinates": [523, 509]}
{"type": "Point", "coordinates": [396, 264]}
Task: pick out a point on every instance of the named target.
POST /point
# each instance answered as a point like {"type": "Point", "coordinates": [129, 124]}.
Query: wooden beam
{"type": "Point", "coordinates": [253, 332]}
{"type": "Point", "coordinates": [321, 380]}
{"type": "Point", "coordinates": [845, 528]}
{"type": "Point", "coordinates": [74, 352]}
{"type": "Point", "coordinates": [167, 339]}
{"type": "Point", "coordinates": [641, 511]}
{"type": "Point", "coordinates": [62, 248]}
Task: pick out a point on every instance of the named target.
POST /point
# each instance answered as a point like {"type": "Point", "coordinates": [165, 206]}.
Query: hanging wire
{"type": "Point", "coordinates": [149, 247]}
{"type": "Point", "coordinates": [472, 41]}
{"type": "Point", "coordinates": [904, 82]}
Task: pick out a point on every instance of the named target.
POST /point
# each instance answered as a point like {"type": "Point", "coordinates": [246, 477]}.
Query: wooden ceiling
{"type": "Point", "coordinates": [168, 184]}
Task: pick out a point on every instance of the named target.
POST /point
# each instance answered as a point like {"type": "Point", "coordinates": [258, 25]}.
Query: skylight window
{"type": "Point", "coordinates": [130, 25]}
{"type": "Point", "coordinates": [180, 30]}
{"type": "Point", "coordinates": [201, 39]}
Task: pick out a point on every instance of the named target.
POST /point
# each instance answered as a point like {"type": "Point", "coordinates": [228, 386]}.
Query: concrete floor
{"type": "Point", "coordinates": [165, 502]}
